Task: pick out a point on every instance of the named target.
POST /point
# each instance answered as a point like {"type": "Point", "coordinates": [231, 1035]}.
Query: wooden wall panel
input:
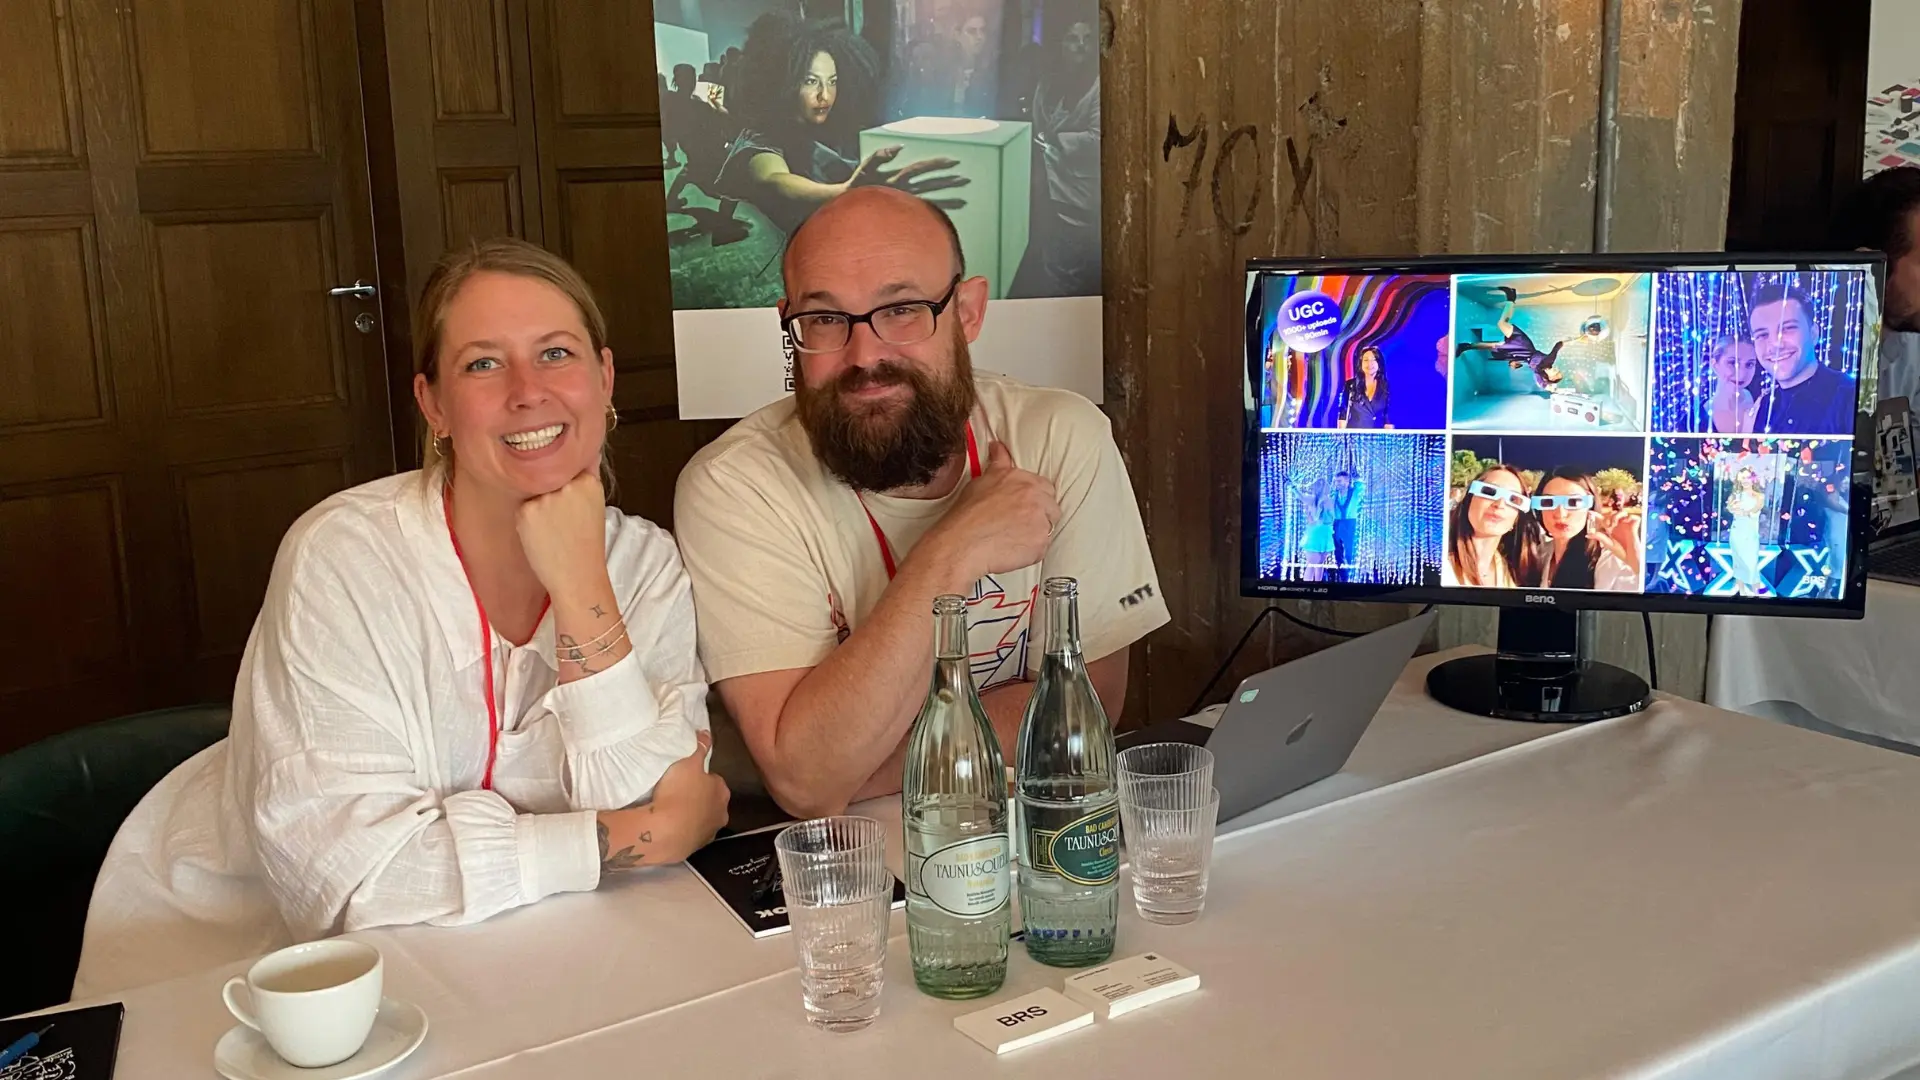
{"type": "Point", "coordinates": [226, 508]}
{"type": "Point", "coordinates": [41, 121]}
{"type": "Point", "coordinates": [472, 70]}
{"type": "Point", "coordinates": [601, 62]}
{"type": "Point", "coordinates": [79, 625]}
{"type": "Point", "coordinates": [476, 204]}
{"type": "Point", "coordinates": [52, 351]}
{"type": "Point", "coordinates": [602, 212]}
{"type": "Point", "coordinates": [216, 77]}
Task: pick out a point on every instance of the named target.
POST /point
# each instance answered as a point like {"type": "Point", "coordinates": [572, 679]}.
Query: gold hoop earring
{"type": "Point", "coordinates": [442, 445]}
{"type": "Point", "coordinates": [613, 418]}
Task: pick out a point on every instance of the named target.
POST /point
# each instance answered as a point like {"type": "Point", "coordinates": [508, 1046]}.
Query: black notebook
{"type": "Point", "coordinates": [744, 872]}
{"type": "Point", "coordinates": [79, 1044]}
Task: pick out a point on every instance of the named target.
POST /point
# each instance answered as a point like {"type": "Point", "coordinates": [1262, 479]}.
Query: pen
{"type": "Point", "coordinates": [21, 1045]}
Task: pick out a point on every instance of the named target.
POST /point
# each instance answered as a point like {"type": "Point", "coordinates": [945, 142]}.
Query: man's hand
{"type": "Point", "coordinates": [1002, 521]}
{"type": "Point", "coordinates": [564, 534]}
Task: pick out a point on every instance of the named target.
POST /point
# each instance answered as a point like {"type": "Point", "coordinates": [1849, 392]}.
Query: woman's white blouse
{"type": "Point", "coordinates": [348, 793]}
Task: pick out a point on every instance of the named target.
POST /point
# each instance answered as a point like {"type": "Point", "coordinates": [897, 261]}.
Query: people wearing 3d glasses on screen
{"type": "Point", "coordinates": [1586, 547]}
{"type": "Point", "coordinates": [1494, 543]}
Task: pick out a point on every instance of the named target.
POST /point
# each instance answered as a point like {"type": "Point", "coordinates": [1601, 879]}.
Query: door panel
{"type": "Point", "coordinates": [186, 181]}
{"type": "Point", "coordinates": [226, 288]}
{"type": "Point", "coordinates": [190, 58]}
{"type": "Point", "coordinates": [224, 508]}
{"type": "Point", "coordinates": [41, 123]}
{"type": "Point", "coordinates": [54, 370]}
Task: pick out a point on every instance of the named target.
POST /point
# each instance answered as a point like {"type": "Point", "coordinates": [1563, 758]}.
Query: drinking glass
{"type": "Point", "coordinates": [1167, 763]}
{"type": "Point", "coordinates": [1168, 829]}
{"type": "Point", "coordinates": [839, 895]}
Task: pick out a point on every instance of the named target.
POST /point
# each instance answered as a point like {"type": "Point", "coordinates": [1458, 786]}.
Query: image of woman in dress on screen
{"type": "Point", "coordinates": [1494, 538]}
{"type": "Point", "coordinates": [806, 90]}
{"type": "Point", "coordinates": [1316, 540]}
{"type": "Point", "coordinates": [1743, 536]}
{"type": "Point", "coordinates": [1734, 364]}
{"type": "Point", "coordinates": [1367, 396]}
{"type": "Point", "coordinates": [1582, 551]}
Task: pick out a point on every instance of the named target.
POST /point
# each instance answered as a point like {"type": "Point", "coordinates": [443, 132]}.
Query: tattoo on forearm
{"type": "Point", "coordinates": [624, 859]}
{"type": "Point", "coordinates": [598, 612]}
{"type": "Point", "coordinates": [568, 648]}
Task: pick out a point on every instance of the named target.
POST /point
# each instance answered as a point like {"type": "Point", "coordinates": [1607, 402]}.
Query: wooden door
{"type": "Point", "coordinates": [181, 184]}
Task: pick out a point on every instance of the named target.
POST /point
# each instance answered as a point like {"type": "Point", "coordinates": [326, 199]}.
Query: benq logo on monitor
{"type": "Point", "coordinates": [1541, 598]}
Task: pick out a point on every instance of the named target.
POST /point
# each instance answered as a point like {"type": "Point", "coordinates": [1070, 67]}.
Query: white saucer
{"type": "Point", "coordinates": [399, 1029]}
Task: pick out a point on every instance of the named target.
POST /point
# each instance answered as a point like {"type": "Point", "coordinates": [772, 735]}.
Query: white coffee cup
{"type": "Point", "coordinates": [315, 1003]}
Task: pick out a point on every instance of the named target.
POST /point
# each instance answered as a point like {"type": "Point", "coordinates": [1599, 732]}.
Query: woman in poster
{"type": "Point", "coordinates": [1743, 537]}
{"type": "Point", "coordinates": [1316, 542]}
{"type": "Point", "coordinates": [1583, 553]}
{"type": "Point", "coordinates": [1494, 538]}
{"type": "Point", "coordinates": [1367, 396]}
{"type": "Point", "coordinates": [806, 90]}
{"type": "Point", "coordinates": [1734, 364]}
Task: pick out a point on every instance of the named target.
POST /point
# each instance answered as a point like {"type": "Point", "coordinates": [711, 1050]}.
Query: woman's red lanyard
{"type": "Point", "coordinates": [486, 638]}
{"type": "Point", "coordinates": [886, 549]}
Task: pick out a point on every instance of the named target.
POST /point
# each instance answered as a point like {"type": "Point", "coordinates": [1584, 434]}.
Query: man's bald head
{"type": "Point", "coordinates": [865, 216]}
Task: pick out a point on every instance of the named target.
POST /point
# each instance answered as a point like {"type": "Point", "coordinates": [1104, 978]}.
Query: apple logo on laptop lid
{"type": "Point", "coordinates": [1300, 731]}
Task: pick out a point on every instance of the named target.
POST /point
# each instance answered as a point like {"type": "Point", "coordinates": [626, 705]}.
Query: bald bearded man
{"type": "Point", "coordinates": [818, 530]}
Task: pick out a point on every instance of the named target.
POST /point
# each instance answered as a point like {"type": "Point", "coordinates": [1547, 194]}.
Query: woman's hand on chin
{"type": "Point", "coordinates": [564, 535]}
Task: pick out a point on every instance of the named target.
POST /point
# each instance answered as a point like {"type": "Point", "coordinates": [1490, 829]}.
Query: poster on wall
{"type": "Point", "coordinates": [1893, 86]}
{"type": "Point", "coordinates": [990, 108]}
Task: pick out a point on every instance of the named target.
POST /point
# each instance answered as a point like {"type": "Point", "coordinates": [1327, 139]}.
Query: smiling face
{"type": "Point", "coordinates": [1735, 364]}
{"type": "Point", "coordinates": [1494, 517]}
{"type": "Point", "coordinates": [517, 386]}
{"type": "Point", "coordinates": [1782, 332]}
{"type": "Point", "coordinates": [1563, 523]}
{"type": "Point", "coordinates": [883, 414]}
{"type": "Point", "coordinates": [819, 89]}
{"type": "Point", "coordinates": [1370, 363]}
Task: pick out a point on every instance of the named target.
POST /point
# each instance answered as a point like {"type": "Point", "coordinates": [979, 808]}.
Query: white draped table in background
{"type": "Point", "coordinates": [1861, 675]}
{"type": "Point", "coordinates": [1685, 893]}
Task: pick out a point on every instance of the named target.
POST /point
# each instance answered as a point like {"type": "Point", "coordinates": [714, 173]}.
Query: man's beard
{"type": "Point", "coordinates": [882, 451]}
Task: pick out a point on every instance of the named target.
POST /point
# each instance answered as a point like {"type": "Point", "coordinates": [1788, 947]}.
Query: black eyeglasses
{"type": "Point", "coordinates": [903, 322]}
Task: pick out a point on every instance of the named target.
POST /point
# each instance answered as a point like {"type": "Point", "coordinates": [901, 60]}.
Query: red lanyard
{"type": "Point", "coordinates": [886, 550]}
{"type": "Point", "coordinates": [486, 638]}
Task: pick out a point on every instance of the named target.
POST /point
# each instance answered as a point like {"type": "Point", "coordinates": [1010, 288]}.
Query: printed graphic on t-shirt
{"type": "Point", "coordinates": [997, 628]}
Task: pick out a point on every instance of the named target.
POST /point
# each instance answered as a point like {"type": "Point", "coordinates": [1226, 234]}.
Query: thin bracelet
{"type": "Point", "coordinates": [619, 624]}
{"type": "Point", "coordinates": [585, 657]}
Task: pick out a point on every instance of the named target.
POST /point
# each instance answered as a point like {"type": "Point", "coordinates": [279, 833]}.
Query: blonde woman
{"type": "Point", "coordinates": [1744, 505]}
{"type": "Point", "coordinates": [468, 688]}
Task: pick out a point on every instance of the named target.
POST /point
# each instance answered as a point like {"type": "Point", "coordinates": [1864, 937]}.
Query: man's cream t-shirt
{"type": "Point", "coordinates": [785, 563]}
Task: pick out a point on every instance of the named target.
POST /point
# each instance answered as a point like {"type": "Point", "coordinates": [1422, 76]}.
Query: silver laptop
{"type": "Point", "coordinates": [1295, 724]}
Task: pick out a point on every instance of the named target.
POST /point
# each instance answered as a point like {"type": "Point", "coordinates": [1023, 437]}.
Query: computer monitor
{"type": "Point", "coordinates": [1684, 433]}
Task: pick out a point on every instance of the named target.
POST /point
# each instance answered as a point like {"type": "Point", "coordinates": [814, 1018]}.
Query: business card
{"type": "Point", "coordinates": [1023, 1021]}
{"type": "Point", "coordinates": [1125, 985]}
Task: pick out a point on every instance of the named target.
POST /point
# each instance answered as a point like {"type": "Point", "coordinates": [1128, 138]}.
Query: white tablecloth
{"type": "Point", "coordinates": [1686, 893]}
{"type": "Point", "coordinates": [1861, 675]}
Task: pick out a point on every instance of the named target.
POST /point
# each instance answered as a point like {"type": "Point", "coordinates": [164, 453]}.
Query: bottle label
{"type": "Point", "coordinates": [1086, 851]}
{"type": "Point", "coordinates": [968, 879]}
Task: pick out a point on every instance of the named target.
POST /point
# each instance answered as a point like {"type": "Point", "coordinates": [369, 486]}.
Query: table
{"type": "Point", "coordinates": [1861, 676]}
{"type": "Point", "coordinates": [1683, 893]}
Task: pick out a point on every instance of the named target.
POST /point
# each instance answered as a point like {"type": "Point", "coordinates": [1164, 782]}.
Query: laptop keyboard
{"type": "Point", "coordinates": [1897, 562]}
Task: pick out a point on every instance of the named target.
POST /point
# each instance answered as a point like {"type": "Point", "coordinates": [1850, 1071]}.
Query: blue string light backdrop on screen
{"type": "Point", "coordinates": [1694, 308]}
{"type": "Point", "coordinates": [1404, 496]}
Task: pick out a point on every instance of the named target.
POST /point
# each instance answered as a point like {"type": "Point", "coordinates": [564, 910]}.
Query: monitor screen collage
{"type": "Point", "coordinates": [1683, 432]}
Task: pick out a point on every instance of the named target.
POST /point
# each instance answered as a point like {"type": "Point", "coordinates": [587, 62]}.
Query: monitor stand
{"type": "Point", "coordinates": [1538, 674]}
